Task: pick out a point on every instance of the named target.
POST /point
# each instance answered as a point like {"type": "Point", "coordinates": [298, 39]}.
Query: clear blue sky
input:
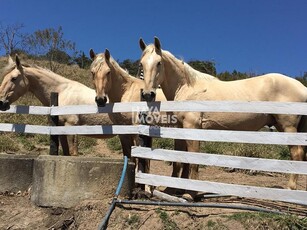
{"type": "Point", "coordinates": [257, 36]}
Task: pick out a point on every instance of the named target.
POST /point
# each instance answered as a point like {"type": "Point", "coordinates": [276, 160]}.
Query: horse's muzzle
{"type": "Point", "coordinates": [149, 97]}
{"type": "Point", "coordinates": [101, 101]}
{"type": "Point", "coordinates": [4, 105]}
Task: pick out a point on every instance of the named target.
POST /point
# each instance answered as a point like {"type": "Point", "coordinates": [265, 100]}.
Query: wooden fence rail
{"type": "Point", "coordinates": [165, 132]}
{"type": "Point", "coordinates": [296, 108]}
{"type": "Point", "coordinates": [281, 166]}
{"type": "Point", "coordinates": [189, 134]}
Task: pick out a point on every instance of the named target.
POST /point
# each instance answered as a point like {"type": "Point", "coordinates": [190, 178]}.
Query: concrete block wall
{"type": "Point", "coordinates": [16, 172]}
{"type": "Point", "coordinates": [60, 181]}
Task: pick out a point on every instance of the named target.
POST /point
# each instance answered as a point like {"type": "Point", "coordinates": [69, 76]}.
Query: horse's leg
{"type": "Point", "coordinates": [181, 146]}
{"type": "Point", "coordinates": [73, 145]}
{"type": "Point", "coordinates": [64, 144]}
{"type": "Point", "coordinates": [177, 166]}
{"type": "Point", "coordinates": [126, 143]}
{"type": "Point", "coordinates": [75, 142]}
{"type": "Point", "coordinates": [190, 171]}
{"type": "Point", "coordinates": [297, 154]}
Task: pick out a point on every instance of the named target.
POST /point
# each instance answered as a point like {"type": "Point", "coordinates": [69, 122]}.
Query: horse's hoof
{"type": "Point", "coordinates": [149, 190]}
{"type": "Point", "coordinates": [188, 197]}
{"type": "Point", "coordinates": [292, 187]}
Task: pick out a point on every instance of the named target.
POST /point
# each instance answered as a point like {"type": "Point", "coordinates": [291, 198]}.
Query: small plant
{"type": "Point", "coordinates": [270, 221]}
{"type": "Point", "coordinates": [167, 222]}
{"type": "Point", "coordinates": [114, 144]}
{"type": "Point", "coordinates": [163, 143]}
{"type": "Point", "coordinates": [133, 219]}
{"type": "Point", "coordinates": [211, 224]}
{"type": "Point", "coordinates": [8, 143]}
{"type": "Point", "coordinates": [86, 144]}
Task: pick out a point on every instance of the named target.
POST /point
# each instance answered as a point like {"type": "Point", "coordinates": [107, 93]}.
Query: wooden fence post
{"type": "Point", "coordinates": [145, 141]}
{"type": "Point", "coordinates": [54, 120]}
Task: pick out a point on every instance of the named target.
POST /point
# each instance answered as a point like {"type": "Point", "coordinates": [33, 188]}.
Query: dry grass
{"type": "Point", "coordinates": [22, 142]}
{"type": "Point", "coordinates": [25, 143]}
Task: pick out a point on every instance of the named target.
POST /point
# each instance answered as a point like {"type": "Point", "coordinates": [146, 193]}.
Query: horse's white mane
{"type": "Point", "coordinates": [100, 58]}
{"type": "Point", "coordinates": [190, 73]}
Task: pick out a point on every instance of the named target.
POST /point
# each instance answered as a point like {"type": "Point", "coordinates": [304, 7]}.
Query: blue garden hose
{"type": "Point", "coordinates": [121, 181]}
{"type": "Point", "coordinates": [104, 223]}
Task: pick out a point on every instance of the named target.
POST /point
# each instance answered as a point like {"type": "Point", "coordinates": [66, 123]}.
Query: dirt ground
{"type": "Point", "coordinates": [17, 211]}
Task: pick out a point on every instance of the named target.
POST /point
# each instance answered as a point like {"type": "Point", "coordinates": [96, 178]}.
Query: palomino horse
{"type": "Point", "coordinates": [179, 81]}
{"type": "Point", "coordinates": [20, 78]}
{"type": "Point", "coordinates": [112, 81]}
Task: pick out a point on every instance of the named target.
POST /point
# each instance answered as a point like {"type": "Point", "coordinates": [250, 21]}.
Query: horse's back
{"type": "Point", "coordinates": [77, 94]}
{"type": "Point", "coordinates": [268, 87]}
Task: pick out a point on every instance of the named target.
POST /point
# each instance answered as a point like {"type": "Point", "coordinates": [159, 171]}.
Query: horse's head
{"type": "Point", "coordinates": [14, 83]}
{"type": "Point", "coordinates": [101, 75]}
{"type": "Point", "coordinates": [151, 63]}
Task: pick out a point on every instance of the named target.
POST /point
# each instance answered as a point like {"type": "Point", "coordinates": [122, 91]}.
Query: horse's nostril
{"type": "Point", "coordinates": [149, 97]}
{"type": "Point", "coordinates": [4, 105]}
{"type": "Point", "coordinates": [153, 95]}
{"type": "Point", "coordinates": [101, 101]}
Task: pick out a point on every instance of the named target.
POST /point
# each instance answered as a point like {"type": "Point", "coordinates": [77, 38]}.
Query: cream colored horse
{"type": "Point", "coordinates": [112, 81]}
{"type": "Point", "coordinates": [179, 81]}
{"type": "Point", "coordinates": [20, 78]}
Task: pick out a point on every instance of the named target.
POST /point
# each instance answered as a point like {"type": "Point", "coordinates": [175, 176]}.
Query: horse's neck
{"type": "Point", "coordinates": [43, 82]}
{"type": "Point", "coordinates": [174, 78]}
{"type": "Point", "coordinates": [121, 83]}
{"type": "Point", "coordinates": [178, 75]}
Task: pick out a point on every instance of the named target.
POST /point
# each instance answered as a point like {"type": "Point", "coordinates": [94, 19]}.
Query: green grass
{"type": "Point", "coordinates": [270, 221]}
{"type": "Point", "coordinates": [133, 219]}
{"type": "Point", "coordinates": [168, 223]}
{"type": "Point", "coordinates": [15, 142]}
{"type": "Point", "coordinates": [247, 150]}
{"type": "Point", "coordinates": [114, 144]}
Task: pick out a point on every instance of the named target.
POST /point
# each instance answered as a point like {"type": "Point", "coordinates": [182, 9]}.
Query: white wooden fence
{"type": "Point", "coordinates": [191, 134]}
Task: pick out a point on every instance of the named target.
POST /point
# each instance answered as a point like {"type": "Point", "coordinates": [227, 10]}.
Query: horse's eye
{"type": "Point", "coordinates": [159, 63]}
{"type": "Point", "coordinates": [14, 79]}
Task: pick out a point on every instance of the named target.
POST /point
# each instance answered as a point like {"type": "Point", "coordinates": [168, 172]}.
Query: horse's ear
{"type": "Point", "coordinates": [92, 54]}
{"type": "Point", "coordinates": [107, 54]}
{"type": "Point", "coordinates": [157, 44]}
{"type": "Point", "coordinates": [18, 63]}
{"type": "Point", "coordinates": [142, 44]}
{"type": "Point", "coordinates": [10, 60]}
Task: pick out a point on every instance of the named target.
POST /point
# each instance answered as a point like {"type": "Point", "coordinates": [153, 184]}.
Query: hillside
{"type": "Point", "coordinates": [37, 144]}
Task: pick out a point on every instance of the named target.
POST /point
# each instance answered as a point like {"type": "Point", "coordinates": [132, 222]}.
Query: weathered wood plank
{"type": "Point", "coordinates": [165, 132]}
{"type": "Point", "coordinates": [24, 109]}
{"type": "Point", "coordinates": [299, 197]}
{"type": "Point", "coordinates": [269, 165]}
{"type": "Point", "coordinates": [226, 135]}
{"type": "Point", "coordinates": [297, 108]}
{"type": "Point", "coordinates": [22, 128]}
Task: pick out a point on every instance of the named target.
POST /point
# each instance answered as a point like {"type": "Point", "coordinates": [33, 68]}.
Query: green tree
{"type": "Point", "coordinates": [303, 79]}
{"type": "Point", "coordinates": [235, 75]}
{"type": "Point", "coordinates": [83, 61]}
{"type": "Point", "coordinates": [204, 66]}
{"type": "Point", "coordinates": [131, 66]}
{"type": "Point", "coordinates": [50, 43]}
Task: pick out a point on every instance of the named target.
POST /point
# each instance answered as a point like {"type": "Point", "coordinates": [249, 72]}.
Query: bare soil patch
{"type": "Point", "coordinates": [18, 212]}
